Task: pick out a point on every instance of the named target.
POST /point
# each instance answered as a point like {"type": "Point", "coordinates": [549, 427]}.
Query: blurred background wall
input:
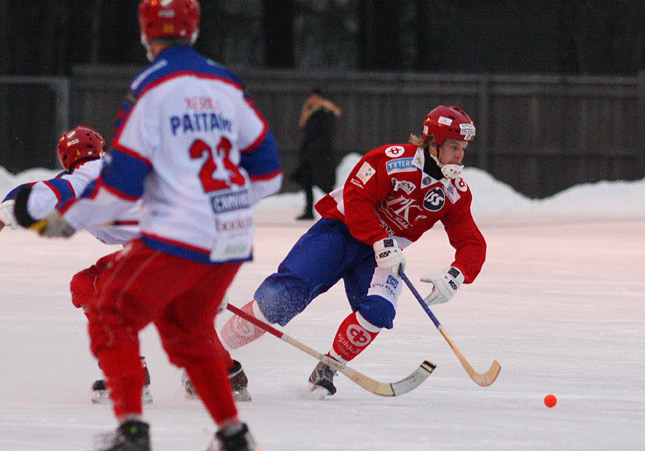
{"type": "Point", "coordinates": [556, 89]}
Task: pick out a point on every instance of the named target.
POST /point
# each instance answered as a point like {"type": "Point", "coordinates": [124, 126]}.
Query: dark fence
{"type": "Point", "coordinates": [34, 112]}
{"type": "Point", "coordinates": [539, 134]}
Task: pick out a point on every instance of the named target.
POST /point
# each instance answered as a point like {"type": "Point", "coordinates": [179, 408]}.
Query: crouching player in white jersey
{"type": "Point", "coordinates": [395, 193]}
{"type": "Point", "coordinates": [191, 145]}
{"type": "Point", "coordinates": [79, 152]}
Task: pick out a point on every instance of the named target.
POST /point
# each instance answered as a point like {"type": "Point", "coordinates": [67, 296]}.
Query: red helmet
{"type": "Point", "coordinates": [170, 19]}
{"type": "Point", "coordinates": [448, 122]}
{"type": "Point", "coordinates": [80, 143]}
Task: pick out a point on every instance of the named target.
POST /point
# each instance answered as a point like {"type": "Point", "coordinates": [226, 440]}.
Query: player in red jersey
{"type": "Point", "coordinates": [392, 196]}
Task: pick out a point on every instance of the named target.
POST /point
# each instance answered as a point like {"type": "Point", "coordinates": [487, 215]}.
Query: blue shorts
{"type": "Point", "coordinates": [324, 255]}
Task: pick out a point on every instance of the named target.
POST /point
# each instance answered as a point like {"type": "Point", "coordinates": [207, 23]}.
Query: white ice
{"type": "Point", "coordinates": [559, 303]}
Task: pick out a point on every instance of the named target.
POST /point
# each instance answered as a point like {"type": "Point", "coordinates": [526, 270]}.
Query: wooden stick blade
{"type": "Point", "coordinates": [481, 379]}
{"type": "Point", "coordinates": [488, 377]}
{"type": "Point", "coordinates": [401, 387]}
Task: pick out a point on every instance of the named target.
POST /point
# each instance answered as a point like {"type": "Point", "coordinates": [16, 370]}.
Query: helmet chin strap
{"type": "Point", "coordinates": [449, 171]}
{"type": "Point", "coordinates": [146, 45]}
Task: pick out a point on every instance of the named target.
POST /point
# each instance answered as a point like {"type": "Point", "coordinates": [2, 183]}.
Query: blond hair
{"type": "Point", "coordinates": [419, 142]}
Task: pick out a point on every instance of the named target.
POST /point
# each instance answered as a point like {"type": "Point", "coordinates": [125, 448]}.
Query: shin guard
{"type": "Point", "coordinates": [353, 336]}
{"type": "Point", "coordinates": [238, 332]}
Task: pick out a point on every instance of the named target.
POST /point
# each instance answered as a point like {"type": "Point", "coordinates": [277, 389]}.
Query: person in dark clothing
{"type": "Point", "coordinates": [317, 159]}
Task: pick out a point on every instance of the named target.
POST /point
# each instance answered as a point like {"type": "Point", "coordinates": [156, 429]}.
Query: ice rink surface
{"type": "Point", "coordinates": [560, 303]}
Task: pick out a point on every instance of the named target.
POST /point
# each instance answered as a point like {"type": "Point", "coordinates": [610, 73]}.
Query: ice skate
{"type": "Point", "coordinates": [321, 381]}
{"type": "Point", "coordinates": [234, 438]}
{"type": "Point", "coordinates": [239, 382]}
{"type": "Point", "coordinates": [131, 435]}
{"type": "Point", "coordinates": [101, 394]}
{"type": "Point", "coordinates": [237, 377]}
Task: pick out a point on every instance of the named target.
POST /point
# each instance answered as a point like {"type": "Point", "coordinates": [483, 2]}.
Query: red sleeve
{"type": "Point", "coordinates": [465, 237]}
{"type": "Point", "coordinates": [366, 186]}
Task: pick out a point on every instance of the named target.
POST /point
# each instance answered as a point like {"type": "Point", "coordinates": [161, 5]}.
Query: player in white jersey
{"type": "Point", "coordinates": [79, 152]}
{"type": "Point", "coordinates": [189, 143]}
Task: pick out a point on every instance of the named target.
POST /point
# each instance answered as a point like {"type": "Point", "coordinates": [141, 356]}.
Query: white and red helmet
{"type": "Point", "coordinates": [80, 143]}
{"type": "Point", "coordinates": [448, 122]}
{"type": "Point", "coordinates": [169, 19]}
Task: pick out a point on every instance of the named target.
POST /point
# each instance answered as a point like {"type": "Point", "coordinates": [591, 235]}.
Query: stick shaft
{"type": "Point", "coordinates": [378, 388]}
{"type": "Point", "coordinates": [484, 379]}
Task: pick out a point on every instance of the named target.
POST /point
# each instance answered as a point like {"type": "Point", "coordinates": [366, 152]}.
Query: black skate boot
{"type": "Point", "coordinates": [234, 438]}
{"type": "Point", "coordinates": [101, 394]}
{"type": "Point", "coordinates": [237, 377]}
{"type": "Point", "coordinates": [239, 382]}
{"type": "Point", "coordinates": [131, 435]}
{"type": "Point", "coordinates": [321, 381]}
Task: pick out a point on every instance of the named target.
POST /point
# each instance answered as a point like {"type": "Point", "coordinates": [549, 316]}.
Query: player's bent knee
{"type": "Point", "coordinates": [378, 311]}
{"type": "Point", "coordinates": [281, 300]}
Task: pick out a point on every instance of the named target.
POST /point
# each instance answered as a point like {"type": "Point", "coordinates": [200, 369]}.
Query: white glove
{"type": "Point", "coordinates": [53, 226]}
{"type": "Point", "coordinates": [7, 218]}
{"type": "Point", "coordinates": [445, 285]}
{"type": "Point", "coordinates": [389, 255]}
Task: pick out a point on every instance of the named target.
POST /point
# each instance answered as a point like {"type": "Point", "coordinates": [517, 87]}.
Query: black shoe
{"type": "Point", "coordinates": [239, 382]}
{"type": "Point", "coordinates": [237, 377]}
{"type": "Point", "coordinates": [322, 378]}
{"type": "Point", "coordinates": [132, 435]}
{"type": "Point", "coordinates": [305, 217]}
{"type": "Point", "coordinates": [101, 394]}
{"type": "Point", "coordinates": [236, 438]}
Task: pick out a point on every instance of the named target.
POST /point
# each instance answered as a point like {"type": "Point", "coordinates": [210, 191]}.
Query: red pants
{"type": "Point", "coordinates": [84, 285]}
{"type": "Point", "coordinates": [84, 290]}
{"type": "Point", "coordinates": [180, 297]}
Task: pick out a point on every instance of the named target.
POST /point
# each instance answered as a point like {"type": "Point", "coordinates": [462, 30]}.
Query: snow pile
{"type": "Point", "coordinates": [490, 196]}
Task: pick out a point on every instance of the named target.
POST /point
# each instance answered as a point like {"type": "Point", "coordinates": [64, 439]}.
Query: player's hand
{"type": "Point", "coordinates": [389, 255]}
{"type": "Point", "coordinates": [7, 218]}
{"type": "Point", "coordinates": [53, 226]}
{"type": "Point", "coordinates": [445, 285]}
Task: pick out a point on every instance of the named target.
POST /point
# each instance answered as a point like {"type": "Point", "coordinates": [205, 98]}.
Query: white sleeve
{"type": "Point", "coordinates": [41, 201]}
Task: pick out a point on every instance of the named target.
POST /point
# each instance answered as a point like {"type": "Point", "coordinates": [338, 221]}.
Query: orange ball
{"type": "Point", "coordinates": [550, 401]}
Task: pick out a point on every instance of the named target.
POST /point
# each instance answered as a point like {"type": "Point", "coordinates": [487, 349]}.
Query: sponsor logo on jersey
{"type": "Point", "coordinates": [200, 122]}
{"type": "Point", "coordinates": [394, 151]}
{"type": "Point", "coordinates": [221, 203]}
{"type": "Point", "coordinates": [357, 182]}
{"type": "Point", "coordinates": [400, 165]}
{"type": "Point", "coordinates": [236, 249]}
{"type": "Point", "coordinates": [461, 184]}
{"type": "Point", "coordinates": [400, 211]}
{"type": "Point", "coordinates": [233, 225]}
{"type": "Point", "coordinates": [434, 199]}
{"type": "Point", "coordinates": [365, 172]}
{"type": "Point", "coordinates": [452, 193]}
{"type": "Point", "coordinates": [404, 185]}
{"type": "Point", "coordinates": [427, 181]}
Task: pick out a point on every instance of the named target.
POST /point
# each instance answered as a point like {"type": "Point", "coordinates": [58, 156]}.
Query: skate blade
{"type": "Point", "coordinates": [318, 392]}
{"type": "Point", "coordinates": [103, 396]}
{"type": "Point", "coordinates": [146, 396]}
{"type": "Point", "coordinates": [240, 396]}
{"type": "Point", "coordinates": [190, 395]}
{"type": "Point", "coordinates": [100, 397]}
